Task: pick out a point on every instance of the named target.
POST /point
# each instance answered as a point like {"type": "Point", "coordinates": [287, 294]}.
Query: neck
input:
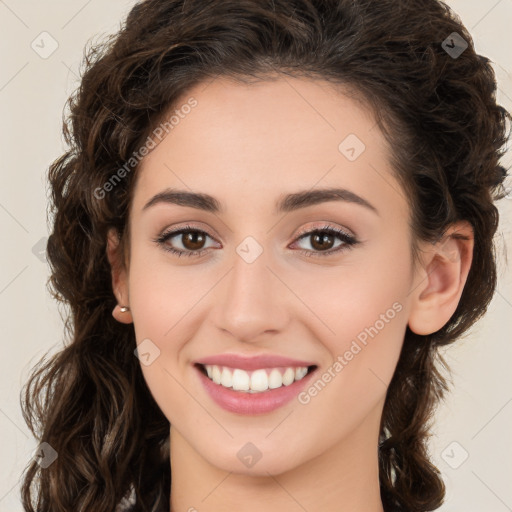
{"type": "Point", "coordinates": [343, 479]}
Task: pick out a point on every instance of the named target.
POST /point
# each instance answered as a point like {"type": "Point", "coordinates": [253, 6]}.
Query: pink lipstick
{"type": "Point", "coordinates": [253, 385]}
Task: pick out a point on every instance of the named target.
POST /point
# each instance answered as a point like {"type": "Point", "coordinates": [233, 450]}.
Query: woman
{"type": "Point", "coordinates": [270, 218]}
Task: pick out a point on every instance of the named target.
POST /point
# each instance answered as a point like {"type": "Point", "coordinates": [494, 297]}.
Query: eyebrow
{"type": "Point", "coordinates": [286, 203]}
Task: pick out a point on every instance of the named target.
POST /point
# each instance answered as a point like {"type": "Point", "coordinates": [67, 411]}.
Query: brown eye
{"type": "Point", "coordinates": [189, 241]}
{"type": "Point", "coordinates": [193, 240]}
{"type": "Point", "coordinates": [322, 242]}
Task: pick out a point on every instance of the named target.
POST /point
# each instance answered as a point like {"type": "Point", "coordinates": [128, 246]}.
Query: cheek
{"type": "Point", "coordinates": [159, 297]}
{"type": "Point", "coordinates": [161, 294]}
{"type": "Point", "coordinates": [368, 289]}
{"type": "Point", "coordinates": [363, 309]}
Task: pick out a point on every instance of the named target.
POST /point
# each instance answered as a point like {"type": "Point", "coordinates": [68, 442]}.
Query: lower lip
{"type": "Point", "coordinates": [252, 403]}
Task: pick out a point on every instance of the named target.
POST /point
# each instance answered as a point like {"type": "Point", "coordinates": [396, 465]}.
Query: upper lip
{"type": "Point", "coordinates": [252, 362]}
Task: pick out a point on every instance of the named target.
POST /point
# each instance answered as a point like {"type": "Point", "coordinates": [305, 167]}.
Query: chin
{"type": "Point", "coordinates": [254, 459]}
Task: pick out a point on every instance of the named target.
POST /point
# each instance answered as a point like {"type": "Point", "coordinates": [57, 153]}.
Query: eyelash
{"type": "Point", "coordinates": [348, 241]}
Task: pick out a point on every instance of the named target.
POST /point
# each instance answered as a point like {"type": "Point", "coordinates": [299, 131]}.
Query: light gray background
{"type": "Point", "coordinates": [476, 419]}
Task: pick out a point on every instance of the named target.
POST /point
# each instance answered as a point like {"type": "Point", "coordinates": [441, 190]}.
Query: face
{"type": "Point", "coordinates": [323, 281]}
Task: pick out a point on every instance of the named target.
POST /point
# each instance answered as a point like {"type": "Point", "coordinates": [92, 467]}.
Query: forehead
{"type": "Point", "coordinates": [254, 141]}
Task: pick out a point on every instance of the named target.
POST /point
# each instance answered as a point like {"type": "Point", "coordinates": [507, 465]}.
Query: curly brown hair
{"type": "Point", "coordinates": [439, 113]}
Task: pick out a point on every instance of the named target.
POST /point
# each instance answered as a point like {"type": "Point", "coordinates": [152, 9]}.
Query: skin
{"type": "Point", "coordinates": [247, 145]}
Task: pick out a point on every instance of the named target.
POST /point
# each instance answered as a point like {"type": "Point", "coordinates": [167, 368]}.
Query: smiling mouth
{"type": "Point", "coordinates": [256, 381]}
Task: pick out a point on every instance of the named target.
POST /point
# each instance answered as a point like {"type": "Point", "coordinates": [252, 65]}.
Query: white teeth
{"type": "Point", "coordinates": [216, 375]}
{"type": "Point", "coordinates": [257, 381]}
{"type": "Point", "coordinates": [275, 379]}
{"type": "Point", "coordinates": [226, 379]}
{"type": "Point", "coordinates": [289, 376]}
{"type": "Point", "coordinates": [241, 380]}
{"type": "Point", "coordinates": [300, 372]}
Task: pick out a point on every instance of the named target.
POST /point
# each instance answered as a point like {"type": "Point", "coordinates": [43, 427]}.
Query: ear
{"type": "Point", "coordinates": [119, 277]}
{"type": "Point", "coordinates": [440, 280]}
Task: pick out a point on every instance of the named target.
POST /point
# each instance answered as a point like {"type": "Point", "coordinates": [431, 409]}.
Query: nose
{"type": "Point", "coordinates": [251, 301]}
